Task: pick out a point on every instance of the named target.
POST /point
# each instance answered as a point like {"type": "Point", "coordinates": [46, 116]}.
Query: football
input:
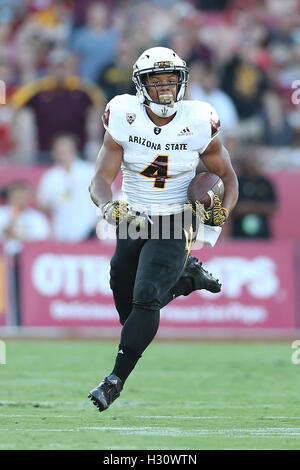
{"type": "Point", "coordinates": [203, 187]}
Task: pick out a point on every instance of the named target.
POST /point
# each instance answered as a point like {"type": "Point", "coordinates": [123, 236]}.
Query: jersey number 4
{"type": "Point", "coordinates": [158, 169]}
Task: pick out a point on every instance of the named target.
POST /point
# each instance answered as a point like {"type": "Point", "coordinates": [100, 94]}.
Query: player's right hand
{"type": "Point", "coordinates": [115, 212]}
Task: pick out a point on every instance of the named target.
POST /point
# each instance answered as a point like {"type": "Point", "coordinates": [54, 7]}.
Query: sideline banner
{"type": "Point", "coordinates": [258, 288]}
{"type": "Point", "coordinates": [68, 285]}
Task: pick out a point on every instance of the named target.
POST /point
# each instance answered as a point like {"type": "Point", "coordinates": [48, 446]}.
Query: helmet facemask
{"type": "Point", "coordinates": [166, 105]}
{"type": "Point", "coordinates": [167, 99]}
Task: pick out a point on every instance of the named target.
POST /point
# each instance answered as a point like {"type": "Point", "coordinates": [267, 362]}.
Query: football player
{"type": "Point", "coordinates": [157, 139]}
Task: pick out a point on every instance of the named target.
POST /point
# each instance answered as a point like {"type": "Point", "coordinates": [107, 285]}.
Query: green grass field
{"type": "Point", "coordinates": [180, 396]}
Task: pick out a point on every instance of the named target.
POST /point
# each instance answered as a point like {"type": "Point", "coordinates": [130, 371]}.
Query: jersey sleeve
{"type": "Point", "coordinates": [113, 119]}
{"type": "Point", "coordinates": [213, 128]}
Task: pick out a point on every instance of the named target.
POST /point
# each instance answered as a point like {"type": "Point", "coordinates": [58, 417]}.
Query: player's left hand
{"type": "Point", "coordinates": [215, 217]}
{"type": "Point", "coordinates": [218, 215]}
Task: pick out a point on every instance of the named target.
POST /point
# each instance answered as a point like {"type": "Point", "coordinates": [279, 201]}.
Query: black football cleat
{"type": "Point", "coordinates": [202, 279]}
{"type": "Point", "coordinates": [106, 392]}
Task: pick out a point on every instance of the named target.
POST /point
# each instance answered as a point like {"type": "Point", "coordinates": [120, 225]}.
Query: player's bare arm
{"type": "Point", "coordinates": [107, 167]}
{"type": "Point", "coordinates": [217, 160]}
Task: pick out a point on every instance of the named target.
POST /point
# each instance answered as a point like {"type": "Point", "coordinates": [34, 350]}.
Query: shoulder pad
{"type": "Point", "coordinates": [117, 111]}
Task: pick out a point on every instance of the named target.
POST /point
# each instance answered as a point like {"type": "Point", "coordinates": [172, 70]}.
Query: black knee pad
{"type": "Point", "coordinates": [146, 295]}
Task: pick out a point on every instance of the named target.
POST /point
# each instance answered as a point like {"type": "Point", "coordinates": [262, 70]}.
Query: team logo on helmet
{"type": "Point", "coordinates": [163, 64]}
{"type": "Point", "coordinates": [130, 117]}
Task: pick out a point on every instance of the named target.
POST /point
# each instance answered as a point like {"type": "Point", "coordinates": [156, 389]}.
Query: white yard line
{"type": "Point", "coordinates": [174, 432]}
{"type": "Point", "coordinates": [38, 403]}
{"type": "Point", "coordinates": [123, 404]}
{"type": "Point", "coordinates": [167, 417]}
{"type": "Point", "coordinates": [215, 417]}
{"type": "Point", "coordinates": [198, 404]}
{"type": "Point", "coordinates": [37, 417]}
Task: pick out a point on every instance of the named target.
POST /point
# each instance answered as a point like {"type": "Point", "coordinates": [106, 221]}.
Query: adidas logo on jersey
{"type": "Point", "coordinates": [185, 131]}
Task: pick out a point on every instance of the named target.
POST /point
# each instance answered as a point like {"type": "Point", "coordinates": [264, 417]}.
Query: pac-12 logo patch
{"type": "Point", "coordinates": [130, 117]}
{"type": "Point", "coordinates": [157, 130]}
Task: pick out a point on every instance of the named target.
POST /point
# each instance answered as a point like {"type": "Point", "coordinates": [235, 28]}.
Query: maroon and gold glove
{"type": "Point", "coordinates": [115, 212]}
{"type": "Point", "coordinates": [216, 216]}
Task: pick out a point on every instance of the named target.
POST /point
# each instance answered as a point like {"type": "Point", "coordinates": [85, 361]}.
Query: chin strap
{"type": "Point", "coordinates": [162, 110]}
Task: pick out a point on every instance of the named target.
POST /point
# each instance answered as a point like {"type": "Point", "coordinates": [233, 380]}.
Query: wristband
{"type": "Point", "coordinates": [226, 212]}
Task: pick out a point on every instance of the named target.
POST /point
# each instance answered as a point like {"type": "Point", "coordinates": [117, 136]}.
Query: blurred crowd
{"type": "Point", "coordinates": [62, 60]}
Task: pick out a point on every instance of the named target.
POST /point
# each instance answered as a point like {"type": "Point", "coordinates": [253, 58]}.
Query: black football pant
{"type": "Point", "coordinates": [143, 274]}
{"type": "Point", "coordinates": [144, 271]}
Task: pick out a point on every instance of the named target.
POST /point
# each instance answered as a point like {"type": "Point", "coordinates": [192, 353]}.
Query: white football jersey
{"type": "Point", "coordinates": [159, 162]}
